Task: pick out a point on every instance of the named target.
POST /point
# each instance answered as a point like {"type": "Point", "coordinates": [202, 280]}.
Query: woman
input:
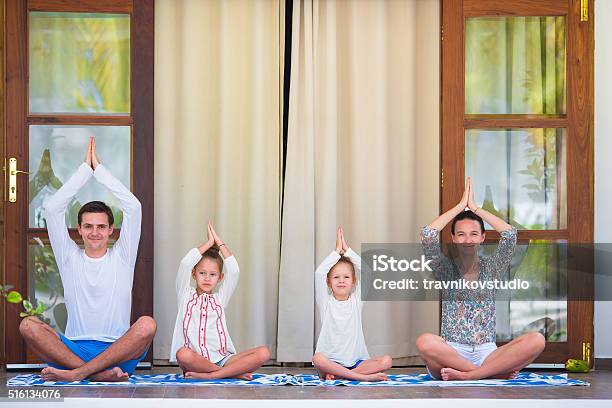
{"type": "Point", "coordinates": [467, 350]}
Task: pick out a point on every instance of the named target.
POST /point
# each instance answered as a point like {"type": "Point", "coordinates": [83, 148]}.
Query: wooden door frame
{"type": "Point", "coordinates": [15, 116]}
{"type": "Point", "coordinates": [4, 190]}
{"type": "Point", "coordinates": [580, 139]}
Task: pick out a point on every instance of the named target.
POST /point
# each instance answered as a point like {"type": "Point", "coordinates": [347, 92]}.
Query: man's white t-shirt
{"type": "Point", "coordinates": [97, 291]}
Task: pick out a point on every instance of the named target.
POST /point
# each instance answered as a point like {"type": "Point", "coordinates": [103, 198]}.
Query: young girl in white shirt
{"type": "Point", "coordinates": [201, 343]}
{"type": "Point", "coordinates": [341, 351]}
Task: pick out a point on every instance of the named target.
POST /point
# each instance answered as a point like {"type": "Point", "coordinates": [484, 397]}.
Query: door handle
{"type": "Point", "coordinates": [13, 172]}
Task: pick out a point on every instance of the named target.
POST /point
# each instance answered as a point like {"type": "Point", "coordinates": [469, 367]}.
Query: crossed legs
{"type": "Point", "coordinates": [369, 370]}
{"type": "Point", "coordinates": [240, 365]}
{"type": "Point", "coordinates": [46, 343]}
{"type": "Point", "coordinates": [444, 362]}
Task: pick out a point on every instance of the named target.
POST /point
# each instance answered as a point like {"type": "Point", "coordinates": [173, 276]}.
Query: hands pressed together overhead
{"type": "Point", "coordinates": [467, 200]}
{"type": "Point", "coordinates": [91, 158]}
{"type": "Point", "coordinates": [341, 245]}
{"type": "Point", "coordinates": [214, 239]}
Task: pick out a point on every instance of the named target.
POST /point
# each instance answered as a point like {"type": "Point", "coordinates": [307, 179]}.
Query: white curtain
{"type": "Point", "coordinates": [362, 153]}
{"type": "Point", "coordinates": [363, 140]}
{"type": "Point", "coordinates": [217, 153]}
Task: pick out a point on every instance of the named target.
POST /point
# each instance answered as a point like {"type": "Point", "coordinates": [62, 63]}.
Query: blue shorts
{"type": "Point", "coordinates": [88, 349]}
{"type": "Point", "coordinates": [355, 365]}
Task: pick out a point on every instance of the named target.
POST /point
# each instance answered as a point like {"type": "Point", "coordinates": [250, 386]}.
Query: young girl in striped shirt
{"type": "Point", "coordinates": [201, 343]}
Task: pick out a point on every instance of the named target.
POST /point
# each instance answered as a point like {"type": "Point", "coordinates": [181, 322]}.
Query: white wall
{"type": "Point", "coordinates": [603, 167]}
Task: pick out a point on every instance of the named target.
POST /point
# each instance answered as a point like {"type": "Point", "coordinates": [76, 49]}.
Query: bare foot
{"type": "Point", "coordinates": [359, 377]}
{"type": "Point", "coordinates": [506, 376]}
{"type": "Point", "coordinates": [245, 376]}
{"type": "Point", "coordinates": [55, 374]}
{"type": "Point", "coordinates": [450, 374]}
{"type": "Point", "coordinates": [199, 376]}
{"type": "Point", "coordinates": [512, 375]}
{"type": "Point", "coordinates": [115, 374]}
{"type": "Point", "coordinates": [376, 377]}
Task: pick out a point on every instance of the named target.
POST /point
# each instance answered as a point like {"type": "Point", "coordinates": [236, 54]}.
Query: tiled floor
{"type": "Point", "coordinates": [601, 388]}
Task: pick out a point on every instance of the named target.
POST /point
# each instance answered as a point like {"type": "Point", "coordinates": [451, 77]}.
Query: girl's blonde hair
{"type": "Point", "coordinates": [346, 260]}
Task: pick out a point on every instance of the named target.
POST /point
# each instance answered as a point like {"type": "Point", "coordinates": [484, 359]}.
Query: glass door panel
{"type": "Point", "coordinates": [46, 284]}
{"type": "Point", "coordinates": [79, 62]}
{"type": "Point", "coordinates": [520, 175]}
{"type": "Point", "coordinates": [515, 65]}
{"type": "Point", "coordinates": [543, 307]}
{"type": "Point", "coordinates": [55, 153]}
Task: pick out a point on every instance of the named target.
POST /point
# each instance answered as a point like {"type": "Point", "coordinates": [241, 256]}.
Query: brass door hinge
{"type": "Point", "coordinates": [442, 178]}
{"type": "Point", "coordinates": [586, 352]}
{"type": "Point", "coordinates": [584, 10]}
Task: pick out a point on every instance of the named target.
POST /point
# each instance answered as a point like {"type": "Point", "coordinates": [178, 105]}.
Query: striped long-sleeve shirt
{"type": "Point", "coordinates": [200, 322]}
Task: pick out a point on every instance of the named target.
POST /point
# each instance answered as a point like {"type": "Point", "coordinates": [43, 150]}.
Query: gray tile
{"type": "Point", "coordinates": [118, 392]}
{"type": "Point", "coordinates": [87, 392]}
{"type": "Point", "coordinates": [179, 392]}
{"type": "Point", "coordinates": [149, 392]}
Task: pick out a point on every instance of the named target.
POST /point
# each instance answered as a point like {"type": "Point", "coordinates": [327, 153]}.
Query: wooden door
{"type": "Point", "coordinates": [517, 116]}
{"type": "Point", "coordinates": [74, 69]}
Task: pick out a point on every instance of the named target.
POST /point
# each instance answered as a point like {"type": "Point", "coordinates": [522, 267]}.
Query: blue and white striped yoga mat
{"type": "Point", "coordinates": [403, 380]}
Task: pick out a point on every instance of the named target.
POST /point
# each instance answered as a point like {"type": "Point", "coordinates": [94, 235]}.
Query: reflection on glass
{"type": "Point", "coordinates": [79, 62]}
{"type": "Point", "coordinates": [515, 65]}
{"type": "Point", "coordinates": [55, 154]}
{"type": "Point", "coordinates": [47, 287]}
{"type": "Point", "coordinates": [543, 265]}
{"type": "Point", "coordinates": [515, 318]}
{"type": "Point", "coordinates": [520, 175]}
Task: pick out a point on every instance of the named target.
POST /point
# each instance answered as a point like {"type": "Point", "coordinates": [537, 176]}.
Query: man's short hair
{"type": "Point", "coordinates": [96, 207]}
{"type": "Point", "coordinates": [467, 215]}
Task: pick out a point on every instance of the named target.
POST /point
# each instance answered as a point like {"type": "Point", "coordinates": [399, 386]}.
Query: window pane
{"type": "Point", "coordinates": [543, 264]}
{"type": "Point", "coordinates": [520, 175]}
{"type": "Point", "coordinates": [47, 285]}
{"type": "Point", "coordinates": [515, 65]}
{"type": "Point", "coordinates": [56, 152]}
{"type": "Point", "coordinates": [515, 318]}
{"type": "Point", "coordinates": [79, 63]}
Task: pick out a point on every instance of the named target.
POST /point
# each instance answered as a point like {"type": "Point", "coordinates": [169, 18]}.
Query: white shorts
{"type": "Point", "coordinates": [475, 354]}
{"type": "Point", "coordinates": [222, 362]}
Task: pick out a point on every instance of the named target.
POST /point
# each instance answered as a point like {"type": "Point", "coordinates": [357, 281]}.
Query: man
{"type": "Point", "coordinates": [99, 343]}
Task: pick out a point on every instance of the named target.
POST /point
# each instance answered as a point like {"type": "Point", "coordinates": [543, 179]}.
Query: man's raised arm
{"type": "Point", "coordinates": [54, 210]}
{"type": "Point", "coordinates": [127, 244]}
